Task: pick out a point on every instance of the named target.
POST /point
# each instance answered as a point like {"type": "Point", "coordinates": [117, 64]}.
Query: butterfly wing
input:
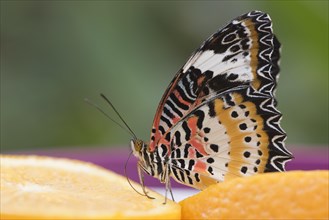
{"type": "Point", "coordinates": [232, 135]}
{"type": "Point", "coordinates": [236, 66]}
{"type": "Point", "coordinates": [233, 56]}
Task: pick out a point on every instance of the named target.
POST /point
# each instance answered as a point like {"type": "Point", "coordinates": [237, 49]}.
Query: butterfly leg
{"type": "Point", "coordinates": [168, 188]}
{"type": "Point", "coordinates": [141, 180]}
{"type": "Point", "coordinates": [168, 185]}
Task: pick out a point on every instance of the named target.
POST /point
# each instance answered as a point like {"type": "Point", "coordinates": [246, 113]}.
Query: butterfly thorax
{"type": "Point", "coordinates": [149, 161]}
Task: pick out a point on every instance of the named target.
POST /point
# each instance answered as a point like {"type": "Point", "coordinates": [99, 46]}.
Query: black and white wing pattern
{"type": "Point", "coordinates": [218, 117]}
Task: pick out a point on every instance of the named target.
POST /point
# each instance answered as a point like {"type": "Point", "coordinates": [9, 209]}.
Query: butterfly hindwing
{"type": "Point", "coordinates": [224, 138]}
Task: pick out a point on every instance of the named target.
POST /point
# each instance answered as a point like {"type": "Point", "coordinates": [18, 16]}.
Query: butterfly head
{"type": "Point", "coordinates": [141, 151]}
{"type": "Point", "coordinates": [137, 146]}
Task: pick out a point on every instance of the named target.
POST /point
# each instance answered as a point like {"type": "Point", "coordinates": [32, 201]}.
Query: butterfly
{"type": "Point", "coordinates": [218, 119]}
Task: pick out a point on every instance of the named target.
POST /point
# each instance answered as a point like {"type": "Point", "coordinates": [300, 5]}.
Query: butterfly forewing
{"type": "Point", "coordinates": [218, 117]}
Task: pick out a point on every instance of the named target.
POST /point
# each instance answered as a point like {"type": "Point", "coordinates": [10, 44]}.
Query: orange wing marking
{"type": "Point", "coordinates": [254, 52]}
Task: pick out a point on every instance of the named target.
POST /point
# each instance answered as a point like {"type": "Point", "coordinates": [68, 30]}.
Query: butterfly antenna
{"type": "Point", "coordinates": [110, 103]}
{"type": "Point", "coordinates": [117, 123]}
{"type": "Point", "coordinates": [128, 178]}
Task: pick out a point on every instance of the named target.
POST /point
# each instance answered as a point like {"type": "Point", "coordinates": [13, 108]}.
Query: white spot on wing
{"type": "Point", "coordinates": [204, 59]}
{"type": "Point", "coordinates": [208, 60]}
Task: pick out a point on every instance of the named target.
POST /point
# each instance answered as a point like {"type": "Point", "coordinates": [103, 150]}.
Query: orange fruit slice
{"type": "Point", "coordinates": [289, 195]}
{"type": "Point", "coordinates": [47, 188]}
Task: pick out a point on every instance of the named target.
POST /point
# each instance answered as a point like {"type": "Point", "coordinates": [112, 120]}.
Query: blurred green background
{"type": "Point", "coordinates": [56, 53]}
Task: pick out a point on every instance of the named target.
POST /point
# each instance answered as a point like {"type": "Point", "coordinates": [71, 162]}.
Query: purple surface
{"type": "Point", "coordinates": [306, 158]}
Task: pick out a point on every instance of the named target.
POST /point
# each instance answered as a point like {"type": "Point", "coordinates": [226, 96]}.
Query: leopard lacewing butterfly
{"type": "Point", "coordinates": [218, 118]}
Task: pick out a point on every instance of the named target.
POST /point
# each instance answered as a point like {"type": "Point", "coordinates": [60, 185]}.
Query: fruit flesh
{"type": "Point", "coordinates": [47, 188]}
{"type": "Point", "coordinates": [289, 195]}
